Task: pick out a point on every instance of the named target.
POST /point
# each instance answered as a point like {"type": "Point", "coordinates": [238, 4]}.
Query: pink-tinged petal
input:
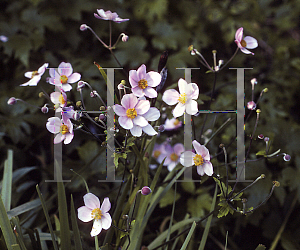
{"type": "Point", "coordinates": [142, 107]}
{"type": "Point", "coordinates": [66, 87]}
{"type": "Point", "coordinates": [32, 82]}
{"type": "Point", "coordinates": [170, 96]}
{"type": "Point", "coordinates": [201, 150]}
{"type": "Point", "coordinates": [244, 50]}
{"type": "Point", "coordinates": [251, 42]}
{"type": "Point", "coordinates": [52, 72]}
{"type": "Point", "coordinates": [105, 207]}
{"type": "Point", "coordinates": [129, 101]}
{"type": "Point", "coordinates": [182, 86]}
{"type": "Point", "coordinates": [150, 92]}
{"type": "Point", "coordinates": [140, 121]}
{"type": "Point", "coordinates": [54, 97]}
{"type": "Point", "coordinates": [200, 170]}
{"type": "Point", "coordinates": [84, 214]}
{"type": "Point", "coordinates": [239, 34]}
{"type": "Point", "coordinates": [59, 138]}
{"type": "Point", "coordinates": [119, 110]}
{"type": "Point", "coordinates": [186, 158]}
{"type": "Point", "coordinates": [171, 166]}
{"type": "Point", "coordinates": [153, 78]}
{"type": "Point", "coordinates": [65, 69]}
{"type": "Point", "coordinates": [141, 72]}
{"type": "Point", "coordinates": [178, 110]}
{"type": "Point", "coordinates": [42, 69]}
{"type": "Point", "coordinates": [91, 201]}
{"type": "Point", "coordinates": [137, 91]}
{"type": "Point", "coordinates": [149, 130]}
{"type": "Point", "coordinates": [178, 148]}
{"type": "Point", "coordinates": [125, 122]}
{"type": "Point", "coordinates": [208, 168]}
{"type": "Point", "coordinates": [75, 77]}
{"type": "Point", "coordinates": [136, 131]}
{"type": "Point", "coordinates": [191, 107]}
{"type": "Point", "coordinates": [69, 137]}
{"type": "Point", "coordinates": [97, 227]}
{"type": "Point", "coordinates": [106, 221]}
{"type": "Point", "coordinates": [133, 78]}
{"type": "Point", "coordinates": [28, 74]}
{"type": "Point", "coordinates": [101, 14]}
{"type": "Point", "coordinates": [152, 114]}
{"type": "Point", "coordinates": [53, 125]}
{"type": "Point", "coordinates": [193, 91]}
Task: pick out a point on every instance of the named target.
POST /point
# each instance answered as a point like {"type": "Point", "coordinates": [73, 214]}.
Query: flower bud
{"type": "Point", "coordinates": [261, 136]}
{"type": "Point", "coordinates": [11, 101]}
{"type": "Point", "coordinates": [45, 109]}
{"type": "Point", "coordinates": [83, 27]}
{"type": "Point", "coordinates": [41, 94]}
{"type": "Point", "coordinates": [145, 190]}
{"type": "Point", "coordinates": [286, 157]}
{"type": "Point", "coordinates": [266, 139]}
{"type": "Point", "coordinates": [124, 38]}
{"type": "Point", "coordinates": [80, 85]}
{"type": "Point", "coordinates": [161, 128]}
{"type": "Point", "coordinates": [253, 81]}
{"type": "Point", "coordinates": [102, 117]}
{"type": "Point", "coordinates": [78, 104]}
{"type": "Point", "coordinates": [251, 105]}
{"type": "Point", "coordinates": [102, 108]}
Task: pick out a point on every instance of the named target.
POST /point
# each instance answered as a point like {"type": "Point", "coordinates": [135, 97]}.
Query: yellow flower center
{"type": "Point", "coordinates": [182, 98]}
{"type": "Point", "coordinates": [61, 99]}
{"type": "Point", "coordinates": [64, 129]}
{"type": "Point", "coordinates": [131, 113]}
{"type": "Point", "coordinates": [96, 214]}
{"type": "Point", "coordinates": [198, 160]}
{"type": "Point", "coordinates": [176, 122]}
{"type": "Point", "coordinates": [34, 73]}
{"type": "Point", "coordinates": [156, 153]}
{"type": "Point", "coordinates": [243, 43]}
{"type": "Point", "coordinates": [143, 84]}
{"type": "Point", "coordinates": [174, 157]}
{"type": "Point", "coordinates": [64, 79]}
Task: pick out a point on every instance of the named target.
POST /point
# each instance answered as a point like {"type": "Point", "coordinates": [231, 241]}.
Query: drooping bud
{"type": "Point", "coordinates": [251, 105]}
{"type": "Point", "coordinates": [80, 85]}
{"type": "Point", "coordinates": [124, 38]}
{"type": "Point", "coordinates": [146, 190]}
{"type": "Point", "coordinates": [45, 109]}
{"type": "Point", "coordinates": [102, 117]}
{"type": "Point", "coordinates": [286, 157]}
{"type": "Point", "coordinates": [261, 136]}
{"type": "Point", "coordinates": [83, 27]}
{"type": "Point", "coordinates": [11, 101]}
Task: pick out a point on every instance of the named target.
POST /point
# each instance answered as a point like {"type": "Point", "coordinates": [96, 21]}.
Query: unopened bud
{"type": "Point", "coordinates": [266, 90]}
{"type": "Point", "coordinates": [102, 108]}
{"type": "Point", "coordinates": [45, 109]}
{"type": "Point", "coordinates": [161, 128]}
{"type": "Point", "coordinates": [253, 81]}
{"type": "Point", "coordinates": [80, 85]}
{"type": "Point", "coordinates": [276, 183]}
{"type": "Point", "coordinates": [124, 38]}
{"type": "Point", "coordinates": [83, 27]}
{"type": "Point", "coordinates": [78, 104]}
{"type": "Point", "coordinates": [146, 190]}
{"type": "Point", "coordinates": [261, 136]}
{"type": "Point", "coordinates": [102, 117]}
{"type": "Point", "coordinates": [251, 105]}
{"type": "Point", "coordinates": [41, 94]}
{"type": "Point", "coordinates": [190, 48]}
{"type": "Point", "coordinates": [266, 139]}
{"type": "Point", "coordinates": [11, 101]}
{"type": "Point", "coordinates": [286, 157]}
{"type": "Point", "coordinates": [258, 111]}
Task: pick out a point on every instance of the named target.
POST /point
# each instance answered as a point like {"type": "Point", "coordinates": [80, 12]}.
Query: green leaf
{"type": "Point", "coordinates": [6, 229]}
{"type": "Point", "coordinates": [117, 156]}
{"type": "Point", "coordinates": [7, 180]}
{"type": "Point", "coordinates": [224, 210]}
{"type": "Point", "coordinates": [65, 236]}
{"type": "Point", "coordinates": [187, 239]}
{"type": "Point", "coordinates": [260, 247]}
{"type": "Point", "coordinates": [169, 198]}
{"type": "Point", "coordinates": [262, 152]}
{"type": "Point", "coordinates": [24, 208]}
{"type": "Point", "coordinates": [53, 237]}
{"type": "Point", "coordinates": [77, 241]}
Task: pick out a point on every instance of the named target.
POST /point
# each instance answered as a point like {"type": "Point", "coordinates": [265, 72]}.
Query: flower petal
{"type": "Point", "coordinates": [68, 138]}
{"type": "Point", "coordinates": [178, 148]}
{"type": "Point", "coordinates": [152, 114]}
{"type": "Point", "coordinates": [150, 92]}
{"type": "Point", "coordinates": [97, 227]}
{"type": "Point", "coordinates": [149, 130]}
{"type": "Point", "coordinates": [75, 77]}
{"type": "Point", "coordinates": [84, 214]}
{"type": "Point", "coordinates": [142, 107]}
{"type": "Point", "coordinates": [141, 72]}
{"type": "Point", "coordinates": [140, 121]}
{"type": "Point", "coordinates": [193, 91]}
{"type": "Point", "coordinates": [125, 122]}
{"type": "Point", "coordinates": [105, 207]}
{"type": "Point", "coordinates": [119, 110]}
{"type": "Point", "coordinates": [200, 170]}
{"type": "Point", "coordinates": [239, 35]}
{"type": "Point", "coordinates": [106, 221]}
{"type": "Point", "coordinates": [183, 86]}
{"type": "Point", "coordinates": [170, 96]}
{"type": "Point", "coordinates": [187, 158]}
{"type": "Point", "coordinates": [137, 91]}
{"type": "Point", "coordinates": [191, 107]}
{"type": "Point", "coordinates": [208, 168]}
{"type": "Point", "coordinates": [133, 78]}
{"type": "Point", "coordinates": [178, 110]}
{"type": "Point", "coordinates": [153, 78]}
{"type": "Point", "coordinates": [136, 131]}
{"type": "Point", "coordinates": [171, 166]}
{"type": "Point", "coordinates": [65, 69]}
{"type": "Point", "coordinates": [129, 101]}
{"type": "Point", "coordinates": [251, 42]}
{"type": "Point", "coordinates": [59, 138]}
{"type": "Point", "coordinates": [53, 125]}
{"type": "Point", "coordinates": [66, 87]}
{"type": "Point", "coordinates": [91, 201]}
